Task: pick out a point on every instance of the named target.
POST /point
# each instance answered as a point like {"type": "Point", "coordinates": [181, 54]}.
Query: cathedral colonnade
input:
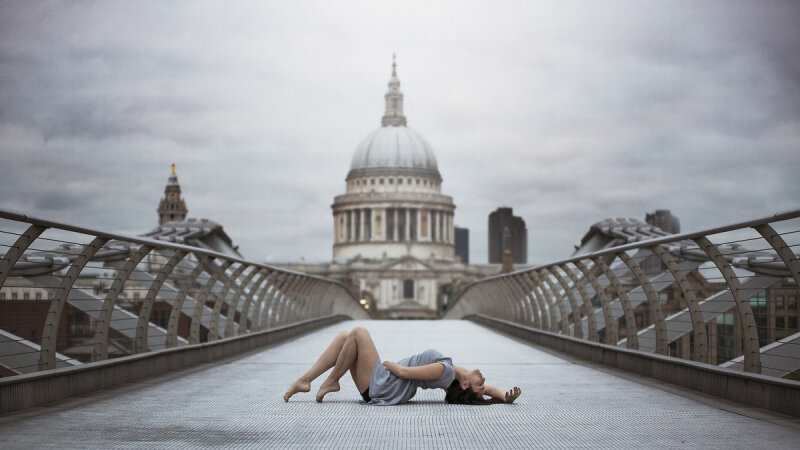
{"type": "Point", "coordinates": [393, 224]}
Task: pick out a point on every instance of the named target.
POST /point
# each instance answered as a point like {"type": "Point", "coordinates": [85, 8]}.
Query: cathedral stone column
{"type": "Point", "coordinates": [351, 229]}
{"type": "Point", "coordinates": [449, 228]}
{"type": "Point", "coordinates": [378, 224]}
{"type": "Point", "coordinates": [434, 225]}
{"type": "Point", "coordinates": [394, 211]}
{"type": "Point", "coordinates": [407, 230]}
{"type": "Point", "coordinates": [367, 224]}
{"type": "Point", "coordinates": [448, 224]}
{"type": "Point", "coordinates": [442, 237]}
{"type": "Point", "coordinates": [440, 225]}
{"type": "Point", "coordinates": [356, 229]}
{"type": "Point", "coordinates": [361, 232]}
{"type": "Point", "coordinates": [336, 227]}
{"type": "Point", "coordinates": [420, 232]}
{"type": "Point", "coordinates": [384, 227]}
{"type": "Point", "coordinates": [428, 226]}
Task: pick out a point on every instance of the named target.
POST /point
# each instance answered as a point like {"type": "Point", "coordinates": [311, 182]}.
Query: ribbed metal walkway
{"type": "Point", "coordinates": [237, 404]}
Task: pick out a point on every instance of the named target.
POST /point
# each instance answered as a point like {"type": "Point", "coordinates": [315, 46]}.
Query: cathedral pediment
{"type": "Point", "coordinates": [407, 263]}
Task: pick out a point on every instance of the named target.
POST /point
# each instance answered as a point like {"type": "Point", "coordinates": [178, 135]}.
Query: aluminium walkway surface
{"type": "Point", "coordinates": [237, 404]}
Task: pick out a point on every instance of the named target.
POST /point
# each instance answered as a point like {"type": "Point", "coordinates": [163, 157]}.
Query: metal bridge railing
{"type": "Point", "coordinates": [725, 296]}
{"type": "Point", "coordinates": [71, 295]}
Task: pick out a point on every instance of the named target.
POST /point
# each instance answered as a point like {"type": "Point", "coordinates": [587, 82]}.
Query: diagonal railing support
{"type": "Point", "coordinates": [662, 343]}
{"type": "Point", "coordinates": [213, 329]}
{"type": "Point", "coordinates": [611, 334]}
{"type": "Point", "coordinates": [202, 297]}
{"type": "Point", "coordinates": [143, 322]}
{"type": "Point", "coordinates": [630, 320]}
{"type": "Point", "coordinates": [751, 347]}
{"type": "Point", "coordinates": [239, 294]}
{"type": "Point", "coordinates": [101, 334]}
{"type": "Point", "coordinates": [16, 250]}
{"type": "Point", "coordinates": [698, 325]}
{"type": "Point", "coordinates": [546, 284]}
{"type": "Point", "coordinates": [591, 318]}
{"type": "Point", "coordinates": [177, 306]}
{"type": "Point", "coordinates": [47, 355]}
{"type": "Point", "coordinates": [782, 249]}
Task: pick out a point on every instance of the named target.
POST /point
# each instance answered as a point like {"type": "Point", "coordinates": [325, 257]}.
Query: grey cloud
{"type": "Point", "coordinates": [56, 201]}
{"type": "Point", "coordinates": [567, 114]}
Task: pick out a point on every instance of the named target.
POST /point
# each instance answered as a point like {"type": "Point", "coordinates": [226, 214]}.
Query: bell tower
{"type": "Point", "coordinates": [172, 207]}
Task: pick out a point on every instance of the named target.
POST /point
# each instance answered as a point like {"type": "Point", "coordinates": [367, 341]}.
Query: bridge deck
{"type": "Point", "coordinates": [238, 404]}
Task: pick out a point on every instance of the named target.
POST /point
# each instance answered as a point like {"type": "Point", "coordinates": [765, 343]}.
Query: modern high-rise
{"type": "Point", "coordinates": [462, 244]}
{"type": "Point", "coordinates": [507, 231]}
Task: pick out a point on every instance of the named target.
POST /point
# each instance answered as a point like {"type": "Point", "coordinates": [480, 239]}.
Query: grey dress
{"type": "Point", "coordinates": [387, 389]}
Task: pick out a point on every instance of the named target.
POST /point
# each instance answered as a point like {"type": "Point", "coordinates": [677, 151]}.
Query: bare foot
{"type": "Point", "coordinates": [327, 386]}
{"type": "Point", "coordinates": [297, 386]}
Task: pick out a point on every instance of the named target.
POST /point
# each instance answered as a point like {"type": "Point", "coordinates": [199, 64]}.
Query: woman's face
{"type": "Point", "coordinates": [475, 379]}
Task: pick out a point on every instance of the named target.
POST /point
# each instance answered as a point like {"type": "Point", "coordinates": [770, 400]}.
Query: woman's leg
{"type": "Point", "coordinates": [358, 355]}
{"type": "Point", "coordinates": [325, 361]}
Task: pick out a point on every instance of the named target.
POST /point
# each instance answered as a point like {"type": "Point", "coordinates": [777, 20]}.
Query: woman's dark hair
{"type": "Point", "coordinates": [455, 395]}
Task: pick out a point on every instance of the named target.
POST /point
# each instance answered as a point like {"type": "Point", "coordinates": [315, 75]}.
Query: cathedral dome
{"type": "Point", "coordinates": [394, 148]}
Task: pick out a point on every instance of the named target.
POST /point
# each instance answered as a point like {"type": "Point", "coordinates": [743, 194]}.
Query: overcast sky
{"type": "Point", "coordinates": [569, 112]}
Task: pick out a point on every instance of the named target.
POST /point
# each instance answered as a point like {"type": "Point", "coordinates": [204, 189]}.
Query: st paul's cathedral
{"type": "Point", "coordinates": [393, 228]}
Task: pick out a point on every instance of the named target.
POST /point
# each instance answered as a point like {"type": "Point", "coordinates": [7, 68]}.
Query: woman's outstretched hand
{"type": "Point", "coordinates": [512, 394]}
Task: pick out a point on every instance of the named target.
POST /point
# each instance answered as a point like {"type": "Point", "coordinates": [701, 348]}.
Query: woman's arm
{"type": "Point", "coordinates": [430, 372]}
{"type": "Point", "coordinates": [498, 394]}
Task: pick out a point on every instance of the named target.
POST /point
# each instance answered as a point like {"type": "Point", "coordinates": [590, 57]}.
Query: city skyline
{"type": "Point", "coordinates": [567, 115]}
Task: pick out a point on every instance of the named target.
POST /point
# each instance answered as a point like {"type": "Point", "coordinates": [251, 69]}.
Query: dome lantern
{"type": "Point", "coordinates": [394, 148]}
{"type": "Point", "coordinates": [394, 101]}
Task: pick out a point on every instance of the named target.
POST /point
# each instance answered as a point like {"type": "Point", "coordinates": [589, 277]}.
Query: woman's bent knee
{"type": "Point", "coordinates": [359, 330]}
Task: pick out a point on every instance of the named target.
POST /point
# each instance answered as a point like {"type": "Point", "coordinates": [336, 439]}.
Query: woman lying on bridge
{"type": "Point", "coordinates": [393, 383]}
